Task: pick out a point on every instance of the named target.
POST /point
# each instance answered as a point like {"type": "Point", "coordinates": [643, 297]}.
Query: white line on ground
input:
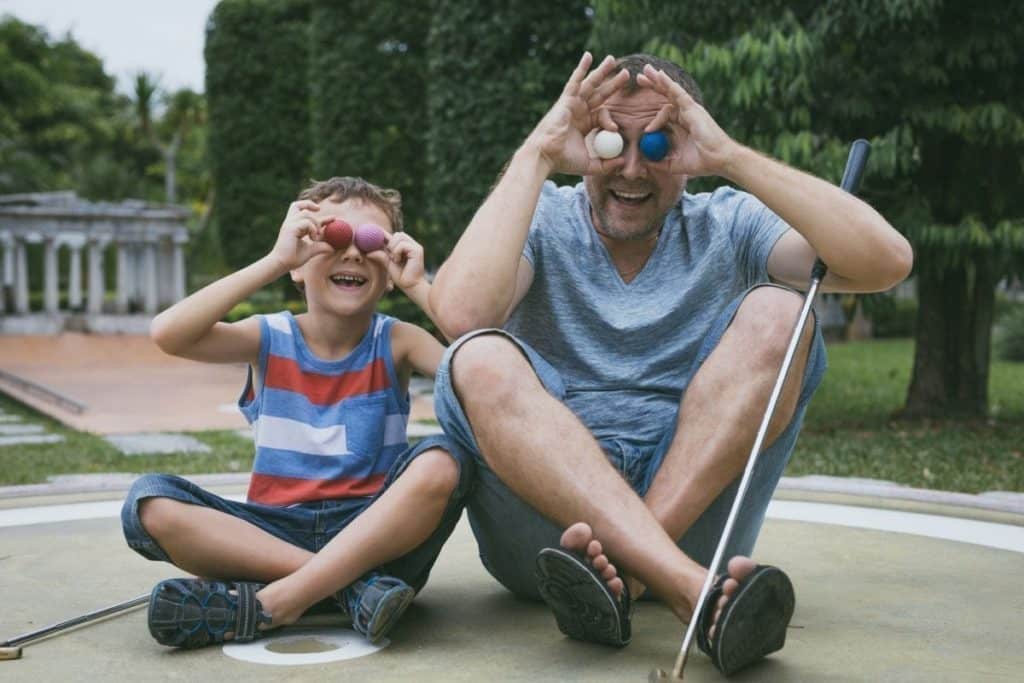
{"type": "Point", "coordinates": [989, 534]}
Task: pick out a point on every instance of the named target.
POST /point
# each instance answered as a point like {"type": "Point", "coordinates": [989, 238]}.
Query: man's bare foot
{"type": "Point", "coordinates": [580, 538]}
{"type": "Point", "coordinates": [739, 568]}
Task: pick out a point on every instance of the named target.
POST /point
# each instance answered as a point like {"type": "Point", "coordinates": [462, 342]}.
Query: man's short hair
{"type": "Point", "coordinates": [635, 63]}
{"type": "Point", "coordinates": [342, 188]}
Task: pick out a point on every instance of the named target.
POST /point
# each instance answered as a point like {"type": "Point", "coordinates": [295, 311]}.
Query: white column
{"type": "Point", "coordinates": [149, 298]}
{"type": "Point", "coordinates": [75, 283]}
{"type": "Point", "coordinates": [51, 273]}
{"type": "Point", "coordinates": [20, 276]}
{"type": "Point", "coordinates": [178, 266]}
{"type": "Point", "coordinates": [94, 304]}
{"type": "Point", "coordinates": [123, 277]}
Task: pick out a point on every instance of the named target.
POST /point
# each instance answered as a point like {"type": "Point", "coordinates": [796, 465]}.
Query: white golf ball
{"type": "Point", "coordinates": [608, 144]}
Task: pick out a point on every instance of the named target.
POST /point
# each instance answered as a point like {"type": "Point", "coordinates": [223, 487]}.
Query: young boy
{"type": "Point", "coordinates": [338, 504]}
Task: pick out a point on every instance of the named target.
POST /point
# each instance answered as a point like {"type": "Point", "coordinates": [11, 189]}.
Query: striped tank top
{"type": "Point", "coordinates": [323, 429]}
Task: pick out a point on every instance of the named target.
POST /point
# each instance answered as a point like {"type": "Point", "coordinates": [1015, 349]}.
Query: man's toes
{"type": "Point", "coordinates": [740, 567]}
{"type": "Point", "coordinates": [594, 549]}
{"type": "Point", "coordinates": [729, 587]}
{"type": "Point", "coordinates": [616, 586]}
{"type": "Point", "coordinates": [609, 572]}
{"type": "Point", "coordinates": [600, 562]}
{"type": "Point", "coordinates": [577, 536]}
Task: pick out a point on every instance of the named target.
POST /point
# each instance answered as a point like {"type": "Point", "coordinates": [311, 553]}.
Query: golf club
{"type": "Point", "coordinates": [855, 163]}
{"type": "Point", "coordinates": [11, 649]}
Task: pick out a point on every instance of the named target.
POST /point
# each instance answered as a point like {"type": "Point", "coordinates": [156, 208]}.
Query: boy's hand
{"type": "Point", "coordinates": [403, 258]}
{"type": "Point", "coordinates": [299, 238]}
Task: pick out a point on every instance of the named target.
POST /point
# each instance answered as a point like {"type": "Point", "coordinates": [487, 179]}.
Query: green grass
{"type": "Point", "coordinates": [849, 432]}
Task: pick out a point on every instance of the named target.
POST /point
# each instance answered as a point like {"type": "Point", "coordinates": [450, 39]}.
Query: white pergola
{"type": "Point", "coordinates": [148, 240]}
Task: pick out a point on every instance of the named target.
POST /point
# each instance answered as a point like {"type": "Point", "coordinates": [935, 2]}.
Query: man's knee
{"type": "Point", "coordinates": [766, 319]}
{"type": "Point", "coordinates": [487, 367]}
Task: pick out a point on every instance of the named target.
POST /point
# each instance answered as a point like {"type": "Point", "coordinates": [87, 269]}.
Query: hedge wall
{"type": "Point", "coordinates": [257, 57]}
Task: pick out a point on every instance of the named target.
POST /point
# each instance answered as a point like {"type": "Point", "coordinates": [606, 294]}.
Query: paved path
{"type": "Point", "coordinates": [129, 385]}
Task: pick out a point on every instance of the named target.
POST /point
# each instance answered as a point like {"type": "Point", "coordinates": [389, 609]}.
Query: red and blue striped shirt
{"type": "Point", "coordinates": [323, 429]}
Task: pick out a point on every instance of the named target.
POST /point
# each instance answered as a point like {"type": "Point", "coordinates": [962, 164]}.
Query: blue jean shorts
{"type": "Point", "coordinates": [510, 533]}
{"type": "Point", "coordinates": [307, 525]}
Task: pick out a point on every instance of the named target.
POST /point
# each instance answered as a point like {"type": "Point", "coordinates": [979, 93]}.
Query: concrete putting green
{"type": "Point", "coordinates": [883, 593]}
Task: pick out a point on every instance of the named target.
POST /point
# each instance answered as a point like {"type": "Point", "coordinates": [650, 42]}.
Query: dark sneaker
{"type": "Point", "coordinates": [375, 603]}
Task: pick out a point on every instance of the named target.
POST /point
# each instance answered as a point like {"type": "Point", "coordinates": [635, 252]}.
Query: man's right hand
{"type": "Point", "coordinates": [299, 238]}
{"type": "Point", "coordinates": [561, 136]}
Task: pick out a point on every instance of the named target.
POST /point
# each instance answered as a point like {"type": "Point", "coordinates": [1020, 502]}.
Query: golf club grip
{"type": "Point", "coordinates": [860, 150]}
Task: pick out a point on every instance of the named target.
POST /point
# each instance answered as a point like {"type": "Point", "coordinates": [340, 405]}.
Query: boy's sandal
{"type": "Point", "coordinates": [375, 603]}
{"type": "Point", "coordinates": [191, 613]}
{"type": "Point", "coordinates": [583, 605]}
{"type": "Point", "coordinates": [752, 624]}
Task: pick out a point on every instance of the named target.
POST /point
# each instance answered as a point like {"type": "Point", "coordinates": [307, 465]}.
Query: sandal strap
{"type": "Point", "coordinates": [249, 612]}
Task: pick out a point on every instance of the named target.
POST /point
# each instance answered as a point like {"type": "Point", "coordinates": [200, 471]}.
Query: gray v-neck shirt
{"type": "Point", "coordinates": [625, 351]}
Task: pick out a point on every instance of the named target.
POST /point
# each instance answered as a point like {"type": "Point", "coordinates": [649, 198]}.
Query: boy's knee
{"type": "Point", "coordinates": [158, 515]}
{"type": "Point", "coordinates": [436, 473]}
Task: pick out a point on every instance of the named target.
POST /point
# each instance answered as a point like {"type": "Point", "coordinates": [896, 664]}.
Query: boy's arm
{"type": "Point", "coordinates": [415, 349]}
{"type": "Point", "coordinates": [404, 261]}
{"type": "Point", "coordinates": [192, 329]}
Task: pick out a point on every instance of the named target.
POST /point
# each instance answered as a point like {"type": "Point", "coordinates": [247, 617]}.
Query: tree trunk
{"type": "Point", "coordinates": [953, 338]}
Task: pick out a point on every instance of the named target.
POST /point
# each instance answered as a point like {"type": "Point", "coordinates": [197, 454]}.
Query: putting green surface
{"type": "Point", "coordinates": [872, 605]}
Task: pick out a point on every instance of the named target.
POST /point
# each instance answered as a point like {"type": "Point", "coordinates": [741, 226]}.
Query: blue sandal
{"type": "Point", "coordinates": [374, 603]}
{"type": "Point", "coordinates": [191, 613]}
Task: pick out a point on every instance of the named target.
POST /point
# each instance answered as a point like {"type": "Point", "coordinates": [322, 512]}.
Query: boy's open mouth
{"type": "Point", "coordinates": [347, 281]}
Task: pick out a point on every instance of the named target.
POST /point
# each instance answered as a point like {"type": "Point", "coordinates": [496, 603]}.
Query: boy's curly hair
{"type": "Point", "coordinates": [341, 188]}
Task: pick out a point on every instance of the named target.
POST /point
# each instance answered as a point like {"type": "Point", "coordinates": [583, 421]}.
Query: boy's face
{"type": "Point", "coordinates": [347, 281]}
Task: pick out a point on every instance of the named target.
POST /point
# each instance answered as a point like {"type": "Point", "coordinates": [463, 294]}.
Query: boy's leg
{"type": "Point", "coordinates": [411, 518]}
{"type": "Point", "coordinates": [171, 519]}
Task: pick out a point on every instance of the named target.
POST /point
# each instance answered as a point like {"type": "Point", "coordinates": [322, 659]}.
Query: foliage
{"type": "Point", "coordinates": [367, 96]}
{"type": "Point", "coordinates": [936, 86]}
{"type": "Point", "coordinates": [1010, 335]}
{"type": "Point", "coordinates": [890, 316]}
{"type": "Point", "coordinates": [257, 55]}
{"type": "Point", "coordinates": [494, 70]}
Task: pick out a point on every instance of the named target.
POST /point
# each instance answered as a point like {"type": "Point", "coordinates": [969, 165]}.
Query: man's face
{"type": "Point", "coordinates": [632, 202]}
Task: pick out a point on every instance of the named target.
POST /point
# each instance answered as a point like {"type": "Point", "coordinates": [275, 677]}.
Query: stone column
{"type": "Point", "coordinates": [149, 289]}
{"type": "Point", "coordinates": [51, 273]}
{"type": "Point", "coordinates": [20, 277]}
{"type": "Point", "coordinates": [178, 269]}
{"type": "Point", "coordinates": [124, 276]}
{"type": "Point", "coordinates": [94, 305]}
{"type": "Point", "coordinates": [75, 283]}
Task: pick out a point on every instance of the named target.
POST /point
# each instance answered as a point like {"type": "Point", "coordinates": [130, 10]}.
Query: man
{"type": "Point", "coordinates": [643, 329]}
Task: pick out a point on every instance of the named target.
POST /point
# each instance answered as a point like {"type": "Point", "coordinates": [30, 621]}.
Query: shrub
{"type": "Point", "coordinates": [1010, 335]}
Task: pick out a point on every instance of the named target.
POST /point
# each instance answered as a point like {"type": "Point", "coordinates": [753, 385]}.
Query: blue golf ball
{"type": "Point", "coordinates": [654, 145]}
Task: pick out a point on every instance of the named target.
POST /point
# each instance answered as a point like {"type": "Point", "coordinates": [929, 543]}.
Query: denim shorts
{"type": "Point", "coordinates": [510, 533]}
{"type": "Point", "coordinates": [307, 525]}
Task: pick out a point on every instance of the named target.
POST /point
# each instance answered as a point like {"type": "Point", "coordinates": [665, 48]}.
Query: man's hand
{"type": "Point", "coordinates": [561, 136]}
{"type": "Point", "coordinates": [699, 146]}
{"type": "Point", "coordinates": [299, 238]}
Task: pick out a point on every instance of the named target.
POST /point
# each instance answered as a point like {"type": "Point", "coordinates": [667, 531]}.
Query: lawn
{"type": "Point", "coordinates": [849, 431]}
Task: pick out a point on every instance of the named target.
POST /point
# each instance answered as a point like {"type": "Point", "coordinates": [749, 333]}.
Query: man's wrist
{"type": "Point", "coordinates": [531, 155]}
{"type": "Point", "coordinates": [735, 161]}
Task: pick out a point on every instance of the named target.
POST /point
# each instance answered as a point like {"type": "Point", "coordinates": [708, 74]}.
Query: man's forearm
{"type": "Point", "coordinates": [853, 239]}
{"type": "Point", "coordinates": [475, 286]}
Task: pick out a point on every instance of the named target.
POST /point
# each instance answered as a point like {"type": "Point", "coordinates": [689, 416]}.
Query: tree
{"type": "Point", "coordinates": [367, 95]}
{"type": "Point", "coordinates": [257, 57]}
{"type": "Point", "coordinates": [935, 85]}
{"type": "Point", "coordinates": [494, 69]}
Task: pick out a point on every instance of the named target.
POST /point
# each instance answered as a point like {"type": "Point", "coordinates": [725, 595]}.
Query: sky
{"type": "Point", "coordinates": [161, 37]}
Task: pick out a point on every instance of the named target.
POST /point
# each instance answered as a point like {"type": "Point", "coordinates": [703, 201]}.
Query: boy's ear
{"type": "Point", "coordinates": [296, 278]}
{"type": "Point", "coordinates": [390, 286]}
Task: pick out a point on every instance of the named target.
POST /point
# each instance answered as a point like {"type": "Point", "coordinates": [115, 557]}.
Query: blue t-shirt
{"type": "Point", "coordinates": [624, 351]}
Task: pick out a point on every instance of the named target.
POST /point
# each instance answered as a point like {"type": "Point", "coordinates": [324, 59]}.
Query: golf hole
{"type": "Point", "coordinates": [304, 647]}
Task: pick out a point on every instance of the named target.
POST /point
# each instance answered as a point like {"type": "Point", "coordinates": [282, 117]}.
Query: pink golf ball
{"type": "Point", "coordinates": [370, 237]}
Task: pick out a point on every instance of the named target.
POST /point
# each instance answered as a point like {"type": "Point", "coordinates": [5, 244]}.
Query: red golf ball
{"type": "Point", "coordinates": [338, 234]}
{"type": "Point", "coordinates": [370, 237]}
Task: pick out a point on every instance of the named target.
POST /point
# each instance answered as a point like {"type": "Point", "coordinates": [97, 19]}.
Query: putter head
{"type": "Point", "coordinates": [10, 653]}
{"type": "Point", "coordinates": [657, 675]}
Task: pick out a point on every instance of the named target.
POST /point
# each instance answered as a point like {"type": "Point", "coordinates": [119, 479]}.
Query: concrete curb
{"type": "Point", "coordinates": [991, 501]}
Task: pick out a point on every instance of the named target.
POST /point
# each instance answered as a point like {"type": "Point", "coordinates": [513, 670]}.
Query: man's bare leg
{"type": "Point", "coordinates": [500, 393]}
{"type": "Point", "coordinates": [211, 543]}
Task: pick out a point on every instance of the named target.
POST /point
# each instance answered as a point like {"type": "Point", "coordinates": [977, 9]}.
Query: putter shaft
{"type": "Point", "coordinates": [76, 621]}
